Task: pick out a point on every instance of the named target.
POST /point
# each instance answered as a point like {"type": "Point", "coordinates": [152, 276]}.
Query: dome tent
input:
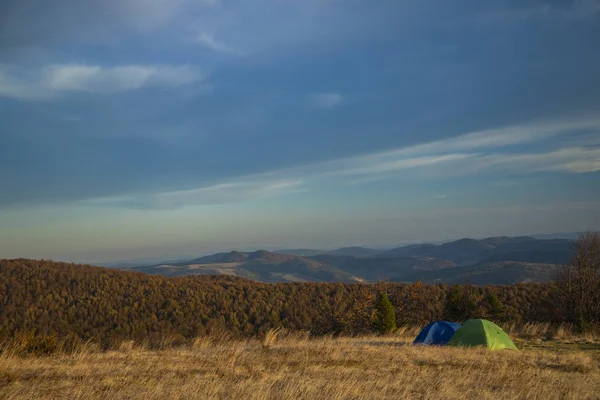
{"type": "Point", "coordinates": [437, 333]}
{"type": "Point", "coordinates": [480, 332]}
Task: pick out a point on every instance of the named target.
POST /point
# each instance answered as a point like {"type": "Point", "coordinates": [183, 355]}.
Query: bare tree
{"type": "Point", "coordinates": [578, 284]}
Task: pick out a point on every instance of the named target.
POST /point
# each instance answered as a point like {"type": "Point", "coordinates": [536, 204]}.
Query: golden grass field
{"type": "Point", "coordinates": [295, 367]}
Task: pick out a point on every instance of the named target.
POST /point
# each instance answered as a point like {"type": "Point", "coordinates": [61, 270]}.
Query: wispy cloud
{"type": "Point", "coordinates": [440, 196]}
{"type": "Point", "coordinates": [326, 100]}
{"type": "Point", "coordinates": [469, 154]}
{"type": "Point", "coordinates": [54, 79]}
{"type": "Point", "coordinates": [497, 138]}
{"type": "Point", "coordinates": [386, 165]}
{"type": "Point", "coordinates": [572, 160]}
{"type": "Point", "coordinates": [494, 150]}
{"type": "Point", "coordinates": [18, 89]}
{"type": "Point", "coordinates": [209, 42]}
{"type": "Point", "coordinates": [222, 193]}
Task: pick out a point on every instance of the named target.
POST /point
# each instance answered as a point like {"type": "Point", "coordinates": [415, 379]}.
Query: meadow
{"type": "Point", "coordinates": [295, 366]}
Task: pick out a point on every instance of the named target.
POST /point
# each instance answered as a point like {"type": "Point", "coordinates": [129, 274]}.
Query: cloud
{"type": "Point", "coordinates": [326, 100]}
{"type": "Point", "coordinates": [14, 88]}
{"type": "Point", "coordinates": [440, 196]}
{"type": "Point", "coordinates": [493, 150]}
{"type": "Point", "coordinates": [384, 166]}
{"type": "Point", "coordinates": [254, 27]}
{"type": "Point", "coordinates": [467, 154]}
{"type": "Point", "coordinates": [221, 193]}
{"type": "Point", "coordinates": [54, 79]}
{"type": "Point", "coordinates": [497, 138]}
{"type": "Point", "coordinates": [209, 42]}
{"type": "Point", "coordinates": [570, 160]}
{"type": "Point", "coordinates": [582, 166]}
{"type": "Point", "coordinates": [116, 79]}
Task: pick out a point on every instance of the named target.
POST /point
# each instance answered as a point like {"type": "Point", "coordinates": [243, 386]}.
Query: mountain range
{"type": "Point", "coordinates": [495, 260]}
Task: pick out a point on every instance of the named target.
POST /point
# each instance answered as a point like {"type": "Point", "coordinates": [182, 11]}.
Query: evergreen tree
{"type": "Point", "coordinates": [385, 319]}
{"type": "Point", "coordinates": [462, 303]}
{"type": "Point", "coordinates": [454, 303]}
{"type": "Point", "coordinates": [496, 308]}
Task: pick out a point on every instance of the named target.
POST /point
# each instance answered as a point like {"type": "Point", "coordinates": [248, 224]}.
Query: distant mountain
{"type": "Point", "coordinates": [495, 260]}
{"type": "Point", "coordinates": [375, 269]}
{"type": "Point", "coordinates": [354, 251]}
{"type": "Point", "coordinates": [261, 265]}
{"type": "Point", "coordinates": [470, 251]}
{"type": "Point", "coordinates": [460, 252]}
{"type": "Point", "coordinates": [231, 257]}
{"type": "Point", "coordinates": [501, 273]}
{"type": "Point", "coordinates": [505, 240]}
{"type": "Point", "coordinates": [413, 250]}
{"type": "Point", "coordinates": [301, 252]}
{"type": "Point", "coordinates": [269, 257]}
{"type": "Point", "coordinates": [563, 235]}
{"type": "Point", "coordinates": [539, 257]}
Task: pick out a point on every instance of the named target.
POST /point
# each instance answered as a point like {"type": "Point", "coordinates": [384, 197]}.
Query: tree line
{"type": "Point", "coordinates": [106, 305]}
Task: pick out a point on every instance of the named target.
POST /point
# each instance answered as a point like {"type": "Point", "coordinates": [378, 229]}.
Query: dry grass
{"type": "Point", "coordinates": [293, 366]}
{"type": "Point", "coordinates": [271, 337]}
{"type": "Point", "coordinates": [545, 331]}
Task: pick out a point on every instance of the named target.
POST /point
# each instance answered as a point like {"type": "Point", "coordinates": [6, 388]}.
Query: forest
{"type": "Point", "coordinates": [54, 299]}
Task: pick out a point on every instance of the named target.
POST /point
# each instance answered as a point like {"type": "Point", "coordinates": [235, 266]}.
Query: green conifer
{"type": "Point", "coordinates": [385, 318]}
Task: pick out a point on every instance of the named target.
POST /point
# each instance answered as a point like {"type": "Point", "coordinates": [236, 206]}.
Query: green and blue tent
{"type": "Point", "coordinates": [437, 333]}
{"type": "Point", "coordinates": [480, 332]}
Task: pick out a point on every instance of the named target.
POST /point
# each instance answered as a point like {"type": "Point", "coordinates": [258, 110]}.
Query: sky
{"type": "Point", "coordinates": [139, 129]}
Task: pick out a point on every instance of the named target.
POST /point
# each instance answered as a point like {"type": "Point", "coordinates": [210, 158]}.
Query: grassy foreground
{"type": "Point", "coordinates": [299, 368]}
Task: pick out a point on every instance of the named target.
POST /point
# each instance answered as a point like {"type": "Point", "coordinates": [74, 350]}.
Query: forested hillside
{"type": "Point", "coordinates": [106, 304]}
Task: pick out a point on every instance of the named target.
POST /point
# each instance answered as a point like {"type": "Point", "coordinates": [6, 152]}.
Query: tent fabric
{"type": "Point", "coordinates": [480, 332]}
{"type": "Point", "coordinates": [437, 333]}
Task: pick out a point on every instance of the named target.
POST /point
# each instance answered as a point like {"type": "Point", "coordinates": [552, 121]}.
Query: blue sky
{"type": "Point", "coordinates": [165, 128]}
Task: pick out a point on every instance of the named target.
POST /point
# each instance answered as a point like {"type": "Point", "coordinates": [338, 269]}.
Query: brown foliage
{"type": "Point", "coordinates": [109, 306]}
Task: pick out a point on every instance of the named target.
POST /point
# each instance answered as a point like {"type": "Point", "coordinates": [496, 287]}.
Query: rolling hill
{"type": "Point", "coordinates": [499, 273]}
{"type": "Point", "coordinates": [496, 260]}
{"type": "Point", "coordinates": [260, 265]}
{"type": "Point", "coordinates": [352, 251]}
{"type": "Point", "coordinates": [301, 252]}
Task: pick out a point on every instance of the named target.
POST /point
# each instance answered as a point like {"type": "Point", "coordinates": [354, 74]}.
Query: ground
{"type": "Point", "coordinates": [301, 368]}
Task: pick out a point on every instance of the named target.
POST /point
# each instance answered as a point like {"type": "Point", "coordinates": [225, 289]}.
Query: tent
{"type": "Point", "coordinates": [437, 333]}
{"type": "Point", "coordinates": [480, 332]}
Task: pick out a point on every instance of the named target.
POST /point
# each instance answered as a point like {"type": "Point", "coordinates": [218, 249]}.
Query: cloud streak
{"type": "Point", "coordinates": [326, 100]}
{"type": "Point", "coordinates": [498, 138]}
{"type": "Point", "coordinates": [472, 153]}
{"type": "Point", "coordinates": [61, 78]}
{"type": "Point", "coordinates": [221, 193]}
{"type": "Point", "coordinates": [493, 149]}
{"type": "Point", "coordinates": [209, 42]}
